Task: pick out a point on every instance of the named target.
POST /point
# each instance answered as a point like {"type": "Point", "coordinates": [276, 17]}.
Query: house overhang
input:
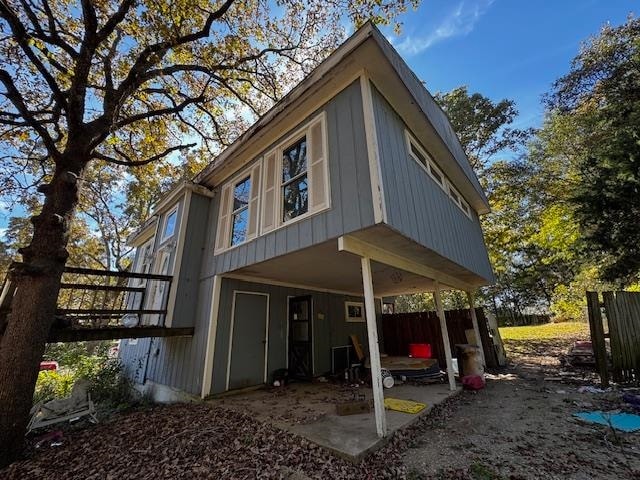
{"type": "Point", "coordinates": [365, 53]}
{"type": "Point", "coordinates": [399, 266]}
{"type": "Point", "coordinates": [147, 229]}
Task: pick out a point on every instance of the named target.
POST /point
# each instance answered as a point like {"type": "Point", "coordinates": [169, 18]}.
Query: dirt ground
{"type": "Point", "coordinates": [519, 427]}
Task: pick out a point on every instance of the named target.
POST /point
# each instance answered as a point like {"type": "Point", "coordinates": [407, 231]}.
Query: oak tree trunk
{"type": "Point", "coordinates": [33, 306]}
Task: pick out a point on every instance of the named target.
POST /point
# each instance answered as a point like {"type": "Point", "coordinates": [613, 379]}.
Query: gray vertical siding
{"type": "Point", "coordinates": [417, 206]}
{"type": "Point", "coordinates": [178, 361]}
{"type": "Point", "coordinates": [186, 283]}
{"type": "Point", "coordinates": [330, 331]}
{"type": "Point", "coordinates": [436, 115]}
{"type": "Point", "coordinates": [351, 202]}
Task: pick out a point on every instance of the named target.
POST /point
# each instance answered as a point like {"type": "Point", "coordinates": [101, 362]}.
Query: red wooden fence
{"type": "Point", "coordinates": [401, 329]}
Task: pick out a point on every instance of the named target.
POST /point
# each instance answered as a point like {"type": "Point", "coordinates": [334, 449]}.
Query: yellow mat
{"type": "Point", "coordinates": [406, 406]}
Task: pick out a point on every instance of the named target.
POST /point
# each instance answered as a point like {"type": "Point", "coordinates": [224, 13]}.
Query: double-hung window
{"type": "Point", "coordinates": [295, 188]}
{"type": "Point", "coordinates": [296, 181]}
{"type": "Point", "coordinates": [238, 219]}
{"type": "Point", "coordinates": [288, 184]}
{"type": "Point", "coordinates": [240, 213]}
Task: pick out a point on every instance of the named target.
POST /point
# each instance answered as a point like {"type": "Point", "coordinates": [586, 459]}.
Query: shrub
{"type": "Point", "coordinates": [53, 384]}
{"type": "Point", "coordinates": [108, 383]}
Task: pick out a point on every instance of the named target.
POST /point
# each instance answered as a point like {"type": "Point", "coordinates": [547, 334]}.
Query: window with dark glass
{"type": "Point", "coordinates": [240, 214]}
{"type": "Point", "coordinates": [435, 174]}
{"type": "Point", "coordinates": [418, 154]}
{"type": "Point", "coordinates": [295, 192]}
{"type": "Point", "coordinates": [454, 195]}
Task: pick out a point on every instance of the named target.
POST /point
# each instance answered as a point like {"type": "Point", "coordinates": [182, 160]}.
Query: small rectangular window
{"type": "Point", "coordinates": [454, 195]}
{"type": "Point", "coordinates": [418, 154]}
{"type": "Point", "coordinates": [295, 191]}
{"type": "Point", "coordinates": [240, 213]}
{"type": "Point", "coordinates": [170, 224]}
{"type": "Point", "coordinates": [437, 176]}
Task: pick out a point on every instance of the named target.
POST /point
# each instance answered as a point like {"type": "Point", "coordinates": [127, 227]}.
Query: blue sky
{"type": "Point", "coordinates": [502, 48]}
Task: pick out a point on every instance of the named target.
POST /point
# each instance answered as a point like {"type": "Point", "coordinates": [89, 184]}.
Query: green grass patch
{"type": "Point", "coordinates": [478, 471]}
{"type": "Point", "coordinates": [545, 331]}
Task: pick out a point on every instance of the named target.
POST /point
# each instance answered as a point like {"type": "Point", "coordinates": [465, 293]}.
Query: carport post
{"type": "Point", "coordinates": [445, 336]}
{"type": "Point", "coordinates": [374, 351]}
{"type": "Point", "coordinates": [476, 329]}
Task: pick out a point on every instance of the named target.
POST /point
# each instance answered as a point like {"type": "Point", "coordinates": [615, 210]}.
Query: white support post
{"type": "Point", "coordinates": [374, 351]}
{"type": "Point", "coordinates": [476, 329]}
{"type": "Point", "coordinates": [445, 336]}
{"type": "Point", "coordinates": [207, 374]}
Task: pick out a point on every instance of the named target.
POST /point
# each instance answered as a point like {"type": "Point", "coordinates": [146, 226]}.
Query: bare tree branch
{"type": "Point", "coordinates": [129, 162]}
{"type": "Point", "coordinates": [22, 38]}
{"type": "Point", "coordinates": [14, 95]}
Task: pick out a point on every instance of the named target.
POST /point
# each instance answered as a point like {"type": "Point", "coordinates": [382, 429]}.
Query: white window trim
{"type": "Point", "coordinates": [460, 200]}
{"type": "Point", "coordinates": [278, 149]}
{"type": "Point", "coordinates": [232, 212]}
{"type": "Point", "coordinates": [173, 210]}
{"type": "Point", "coordinates": [304, 134]}
{"type": "Point", "coordinates": [140, 261]}
{"type": "Point", "coordinates": [246, 172]}
{"type": "Point", "coordinates": [349, 319]}
{"type": "Point", "coordinates": [445, 185]}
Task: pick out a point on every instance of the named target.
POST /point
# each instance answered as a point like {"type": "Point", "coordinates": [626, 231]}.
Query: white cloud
{"type": "Point", "coordinates": [459, 22]}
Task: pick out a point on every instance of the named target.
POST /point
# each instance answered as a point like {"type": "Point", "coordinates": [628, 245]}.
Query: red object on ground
{"type": "Point", "coordinates": [473, 382]}
{"type": "Point", "coordinates": [420, 350]}
{"type": "Point", "coordinates": [48, 365]}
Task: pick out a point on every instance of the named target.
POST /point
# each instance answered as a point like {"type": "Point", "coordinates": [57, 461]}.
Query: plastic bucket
{"type": "Point", "coordinates": [420, 350]}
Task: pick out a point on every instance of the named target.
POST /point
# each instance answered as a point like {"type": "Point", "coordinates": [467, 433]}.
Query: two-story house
{"type": "Point", "coordinates": [352, 188]}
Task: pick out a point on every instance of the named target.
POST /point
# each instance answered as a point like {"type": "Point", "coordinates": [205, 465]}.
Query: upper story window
{"type": "Point", "coordinates": [240, 214]}
{"type": "Point", "coordinates": [290, 183]}
{"type": "Point", "coordinates": [459, 201]}
{"type": "Point", "coordinates": [238, 219]}
{"type": "Point", "coordinates": [144, 260]}
{"type": "Point", "coordinates": [295, 188]}
{"type": "Point", "coordinates": [420, 155]}
{"type": "Point", "coordinates": [296, 181]}
{"type": "Point", "coordinates": [169, 227]}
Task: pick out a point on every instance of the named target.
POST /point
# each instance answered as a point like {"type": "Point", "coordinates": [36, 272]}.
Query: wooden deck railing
{"type": "Point", "coordinates": [98, 305]}
{"type": "Point", "coordinates": [91, 298]}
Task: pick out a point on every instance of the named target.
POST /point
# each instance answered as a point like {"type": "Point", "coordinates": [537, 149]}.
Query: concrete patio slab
{"type": "Point", "coordinates": [354, 436]}
{"type": "Point", "coordinates": [309, 411]}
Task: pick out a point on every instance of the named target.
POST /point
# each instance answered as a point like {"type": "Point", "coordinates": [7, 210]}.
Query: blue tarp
{"type": "Point", "coordinates": [625, 422]}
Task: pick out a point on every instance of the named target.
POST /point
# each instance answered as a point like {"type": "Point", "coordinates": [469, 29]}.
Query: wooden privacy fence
{"type": "Point", "coordinates": [622, 315]}
{"type": "Point", "coordinates": [401, 329]}
{"type": "Point", "coordinates": [507, 317]}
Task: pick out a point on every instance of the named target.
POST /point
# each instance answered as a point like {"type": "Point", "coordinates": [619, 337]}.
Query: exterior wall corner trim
{"type": "Point", "coordinates": [375, 169]}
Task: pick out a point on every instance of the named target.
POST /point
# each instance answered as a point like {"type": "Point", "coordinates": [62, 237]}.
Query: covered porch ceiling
{"type": "Point", "coordinates": [399, 266]}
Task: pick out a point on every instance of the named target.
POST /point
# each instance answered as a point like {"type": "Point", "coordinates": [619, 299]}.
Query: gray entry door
{"type": "Point", "coordinates": [248, 340]}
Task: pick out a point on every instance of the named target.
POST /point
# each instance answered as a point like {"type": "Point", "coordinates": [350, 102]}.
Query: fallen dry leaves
{"type": "Point", "coordinates": [193, 441]}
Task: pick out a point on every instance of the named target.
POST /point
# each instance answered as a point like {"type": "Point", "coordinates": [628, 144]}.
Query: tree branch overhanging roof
{"type": "Point", "coordinates": [420, 96]}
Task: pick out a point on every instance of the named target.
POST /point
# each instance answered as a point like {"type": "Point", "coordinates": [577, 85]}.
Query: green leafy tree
{"type": "Point", "coordinates": [129, 83]}
{"type": "Point", "coordinates": [597, 104]}
{"type": "Point", "coordinates": [484, 129]}
{"type": "Point", "coordinates": [482, 125]}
